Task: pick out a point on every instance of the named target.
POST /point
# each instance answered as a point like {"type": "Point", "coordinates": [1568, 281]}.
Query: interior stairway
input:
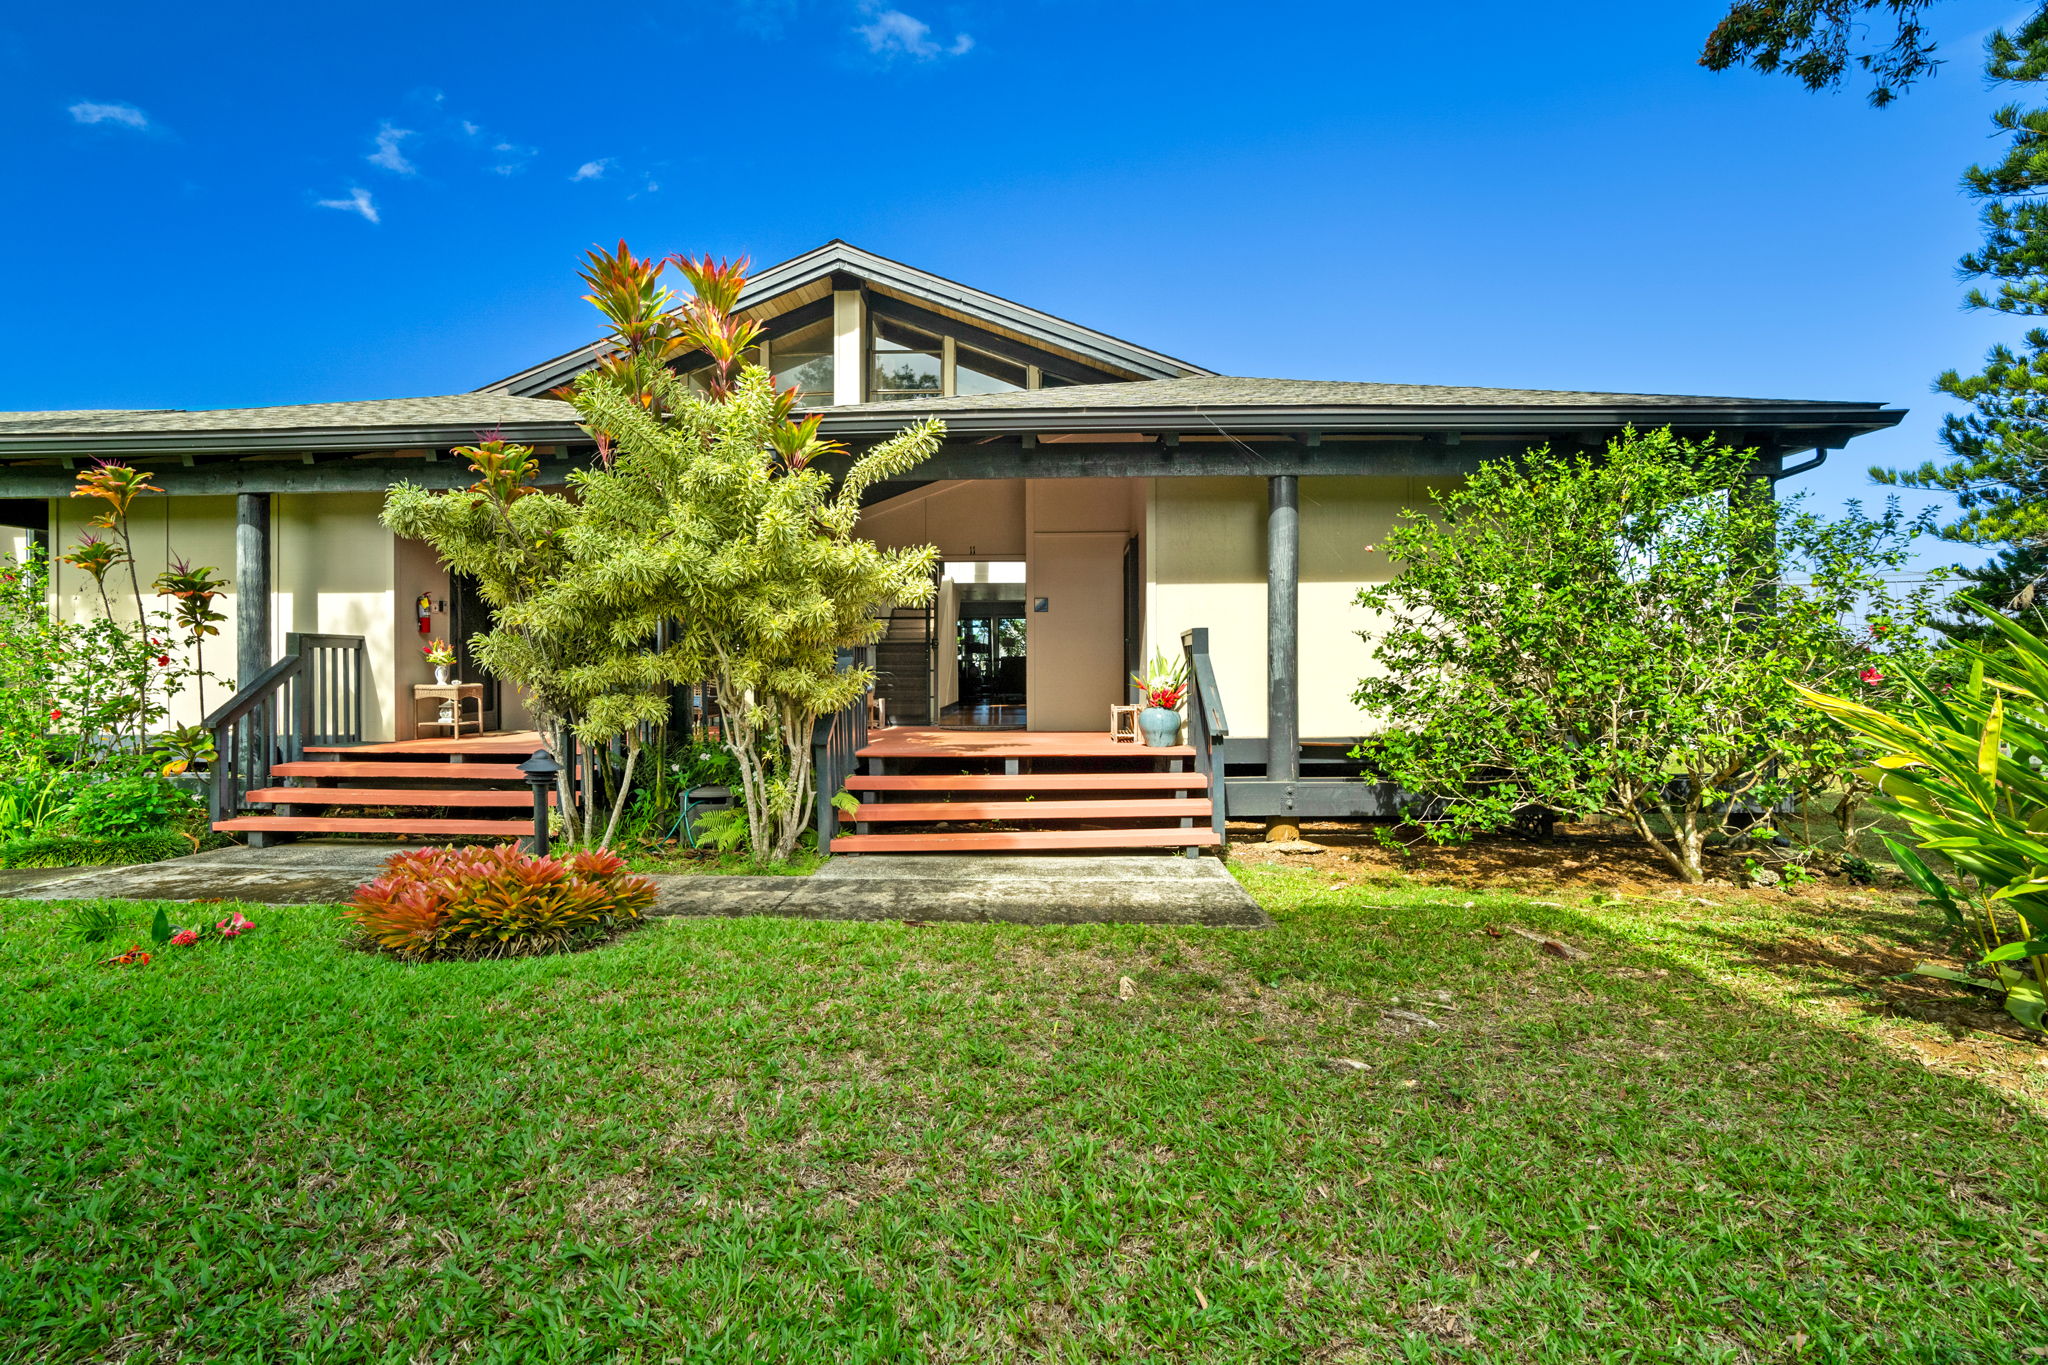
{"type": "Point", "coordinates": [938, 791]}
{"type": "Point", "coordinates": [468, 789]}
{"type": "Point", "coordinates": [903, 666]}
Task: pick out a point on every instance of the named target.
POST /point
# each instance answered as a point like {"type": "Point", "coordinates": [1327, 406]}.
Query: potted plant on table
{"type": "Point", "coordinates": [1163, 686]}
{"type": "Point", "coordinates": [441, 655]}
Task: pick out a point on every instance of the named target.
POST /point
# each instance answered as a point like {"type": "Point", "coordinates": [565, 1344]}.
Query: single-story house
{"type": "Point", "coordinates": [1094, 499]}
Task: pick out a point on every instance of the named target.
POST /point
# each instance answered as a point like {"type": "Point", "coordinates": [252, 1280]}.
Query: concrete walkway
{"type": "Point", "coordinates": [1012, 888]}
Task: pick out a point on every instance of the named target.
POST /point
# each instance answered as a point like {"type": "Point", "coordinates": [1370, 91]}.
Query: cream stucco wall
{"type": "Point", "coordinates": [1206, 566]}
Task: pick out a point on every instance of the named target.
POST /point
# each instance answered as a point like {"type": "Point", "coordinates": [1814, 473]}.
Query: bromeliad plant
{"type": "Point", "coordinates": [1966, 767]}
{"type": "Point", "coordinates": [496, 902]}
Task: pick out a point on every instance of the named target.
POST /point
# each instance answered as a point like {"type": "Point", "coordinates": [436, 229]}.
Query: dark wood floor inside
{"type": "Point", "coordinates": [984, 715]}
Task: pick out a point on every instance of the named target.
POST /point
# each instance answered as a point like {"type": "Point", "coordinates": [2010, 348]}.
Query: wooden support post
{"type": "Point", "coordinates": [252, 586]}
{"type": "Point", "coordinates": [1283, 613]}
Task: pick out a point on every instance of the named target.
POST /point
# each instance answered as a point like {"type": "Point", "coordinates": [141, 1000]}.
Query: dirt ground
{"type": "Point", "coordinates": [1827, 945]}
{"type": "Point", "coordinates": [1582, 857]}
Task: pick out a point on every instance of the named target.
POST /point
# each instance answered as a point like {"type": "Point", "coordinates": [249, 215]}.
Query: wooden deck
{"type": "Point", "coordinates": [932, 790]}
{"type": "Point", "coordinates": [468, 778]}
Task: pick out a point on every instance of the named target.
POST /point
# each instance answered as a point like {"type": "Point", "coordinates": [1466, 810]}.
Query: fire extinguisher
{"type": "Point", "coordinates": [426, 613]}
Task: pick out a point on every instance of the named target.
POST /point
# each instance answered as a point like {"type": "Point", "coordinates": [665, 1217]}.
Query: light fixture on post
{"type": "Point", "coordinates": [540, 773]}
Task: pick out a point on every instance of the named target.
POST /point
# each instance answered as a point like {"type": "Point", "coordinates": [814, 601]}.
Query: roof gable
{"type": "Point", "coordinates": [814, 274]}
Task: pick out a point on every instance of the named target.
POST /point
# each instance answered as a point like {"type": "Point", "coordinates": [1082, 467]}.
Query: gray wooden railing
{"type": "Point", "coordinates": [1208, 727]}
{"type": "Point", "coordinates": [836, 743]}
{"type": "Point", "coordinates": [313, 695]}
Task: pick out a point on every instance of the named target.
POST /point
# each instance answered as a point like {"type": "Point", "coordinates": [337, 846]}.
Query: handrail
{"type": "Point", "coordinates": [836, 742]}
{"type": "Point", "coordinates": [1208, 728]}
{"type": "Point", "coordinates": [313, 695]}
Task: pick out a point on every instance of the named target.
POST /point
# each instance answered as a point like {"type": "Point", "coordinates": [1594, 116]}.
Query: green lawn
{"type": "Point", "coordinates": [758, 1140]}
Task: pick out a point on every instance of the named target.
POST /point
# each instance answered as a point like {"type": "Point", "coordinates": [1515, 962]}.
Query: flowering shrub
{"type": "Point", "coordinates": [496, 902]}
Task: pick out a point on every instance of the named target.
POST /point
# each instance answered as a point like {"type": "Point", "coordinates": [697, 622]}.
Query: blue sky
{"type": "Point", "coordinates": [249, 204]}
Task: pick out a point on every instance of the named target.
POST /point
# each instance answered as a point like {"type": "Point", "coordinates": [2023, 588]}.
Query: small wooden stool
{"type": "Point", "coordinates": [1123, 724]}
{"type": "Point", "coordinates": [877, 713]}
{"type": "Point", "coordinates": [455, 694]}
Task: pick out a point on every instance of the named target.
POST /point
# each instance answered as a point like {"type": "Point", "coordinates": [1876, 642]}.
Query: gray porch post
{"type": "Point", "coordinates": [252, 586]}
{"type": "Point", "coordinates": [1283, 612]}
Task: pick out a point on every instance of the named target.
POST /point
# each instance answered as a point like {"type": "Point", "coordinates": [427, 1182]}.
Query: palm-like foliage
{"type": "Point", "coordinates": [1966, 767]}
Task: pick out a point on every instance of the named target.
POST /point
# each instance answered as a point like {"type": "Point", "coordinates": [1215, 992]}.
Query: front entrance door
{"type": "Point", "coordinates": [1074, 612]}
{"type": "Point", "coordinates": [468, 617]}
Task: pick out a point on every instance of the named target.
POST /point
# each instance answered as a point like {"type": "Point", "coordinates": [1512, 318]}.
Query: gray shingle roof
{"type": "Point", "coordinates": [479, 411]}
{"type": "Point", "coordinates": [1234, 391]}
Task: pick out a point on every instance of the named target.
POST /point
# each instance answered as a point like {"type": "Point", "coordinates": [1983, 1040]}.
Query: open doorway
{"type": "Point", "coordinates": [981, 646]}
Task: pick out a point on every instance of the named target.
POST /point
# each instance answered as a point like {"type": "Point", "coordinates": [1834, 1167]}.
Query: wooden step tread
{"type": "Point", "coordinates": [1030, 782]}
{"type": "Point", "coordinates": [520, 742]}
{"type": "Point", "coordinates": [905, 741]}
{"type": "Point", "coordinates": [439, 772]}
{"type": "Point", "coordinates": [389, 796]}
{"type": "Point", "coordinates": [1033, 812]}
{"type": "Point", "coordinates": [412, 825]}
{"type": "Point", "coordinates": [1025, 841]}
{"type": "Point", "coordinates": [498, 748]}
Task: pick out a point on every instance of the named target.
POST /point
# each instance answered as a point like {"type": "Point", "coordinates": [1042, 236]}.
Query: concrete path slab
{"type": "Point", "coordinates": [1016, 889]}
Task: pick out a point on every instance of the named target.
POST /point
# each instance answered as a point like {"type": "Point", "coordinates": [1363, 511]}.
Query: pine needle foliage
{"type": "Point", "coordinates": [1997, 468]}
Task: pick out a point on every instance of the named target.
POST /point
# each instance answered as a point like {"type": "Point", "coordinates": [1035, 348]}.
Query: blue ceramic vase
{"type": "Point", "coordinates": [1160, 727]}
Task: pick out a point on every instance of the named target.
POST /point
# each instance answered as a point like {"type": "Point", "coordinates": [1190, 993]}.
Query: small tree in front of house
{"type": "Point", "coordinates": [713, 512]}
{"type": "Point", "coordinates": [508, 536]}
{"type": "Point", "coordinates": [1618, 635]}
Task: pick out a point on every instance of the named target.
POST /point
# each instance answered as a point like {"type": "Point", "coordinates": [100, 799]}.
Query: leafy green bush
{"type": "Point", "coordinates": [33, 799]}
{"type": "Point", "coordinates": [1617, 635]}
{"type": "Point", "coordinates": [104, 851]}
{"type": "Point", "coordinates": [496, 902]}
{"type": "Point", "coordinates": [134, 803]}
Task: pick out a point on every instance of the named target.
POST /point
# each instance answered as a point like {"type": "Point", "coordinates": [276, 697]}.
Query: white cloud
{"type": "Point", "coordinates": [472, 129]}
{"type": "Point", "coordinates": [389, 154]}
{"type": "Point", "coordinates": [127, 115]}
{"type": "Point", "coordinates": [358, 201]}
{"type": "Point", "coordinates": [592, 170]}
{"type": "Point", "coordinates": [892, 33]}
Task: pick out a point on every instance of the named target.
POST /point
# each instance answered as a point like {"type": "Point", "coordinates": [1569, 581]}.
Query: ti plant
{"type": "Point", "coordinates": [1966, 768]}
{"type": "Point", "coordinates": [192, 592]}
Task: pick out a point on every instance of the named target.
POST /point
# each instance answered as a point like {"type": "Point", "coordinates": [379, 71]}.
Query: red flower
{"type": "Point", "coordinates": [56, 715]}
{"type": "Point", "coordinates": [163, 661]}
{"type": "Point", "coordinates": [1871, 675]}
{"type": "Point", "coordinates": [185, 937]}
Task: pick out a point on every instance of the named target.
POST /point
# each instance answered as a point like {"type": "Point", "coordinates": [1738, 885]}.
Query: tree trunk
{"type": "Point", "coordinates": [625, 788]}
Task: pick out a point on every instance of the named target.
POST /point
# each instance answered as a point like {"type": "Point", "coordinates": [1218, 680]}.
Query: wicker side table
{"type": "Point", "coordinates": [452, 695]}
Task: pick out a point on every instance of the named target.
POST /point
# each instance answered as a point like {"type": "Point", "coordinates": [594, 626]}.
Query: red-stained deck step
{"type": "Point", "coordinates": [1024, 841]}
{"type": "Point", "coordinates": [408, 825]}
{"type": "Point", "coordinates": [928, 812]}
{"type": "Point", "coordinates": [438, 772]}
{"type": "Point", "coordinates": [391, 796]}
{"type": "Point", "coordinates": [1030, 782]}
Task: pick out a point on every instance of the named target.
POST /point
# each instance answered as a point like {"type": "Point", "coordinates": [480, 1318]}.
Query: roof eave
{"type": "Point", "coordinates": [288, 440]}
{"type": "Point", "coordinates": [1339, 421]}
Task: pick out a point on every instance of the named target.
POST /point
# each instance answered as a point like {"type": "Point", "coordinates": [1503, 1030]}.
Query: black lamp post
{"type": "Point", "coordinates": [540, 772]}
